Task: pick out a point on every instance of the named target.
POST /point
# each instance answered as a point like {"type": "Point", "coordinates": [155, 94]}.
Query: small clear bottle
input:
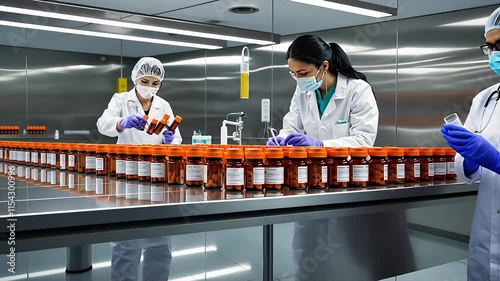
{"type": "Point", "coordinates": [412, 172]}
{"type": "Point", "coordinates": [397, 165]}
{"type": "Point", "coordinates": [73, 158]}
{"type": "Point", "coordinates": [176, 164]}
{"type": "Point", "coordinates": [82, 153]}
{"type": "Point", "coordinates": [214, 168]}
{"type": "Point", "coordinates": [121, 162]}
{"type": "Point", "coordinates": [317, 168]}
{"type": "Point", "coordinates": [235, 171]}
{"type": "Point", "coordinates": [112, 160]}
{"type": "Point", "coordinates": [359, 167]}
{"type": "Point", "coordinates": [63, 156]}
{"type": "Point", "coordinates": [298, 168]}
{"type": "Point", "coordinates": [339, 167]}
{"type": "Point", "coordinates": [90, 159]}
{"type": "Point", "coordinates": [451, 173]}
{"type": "Point", "coordinates": [144, 165]}
{"type": "Point", "coordinates": [378, 167]}
{"type": "Point", "coordinates": [255, 171]}
{"type": "Point", "coordinates": [439, 164]}
{"type": "Point", "coordinates": [159, 164]}
{"type": "Point", "coordinates": [102, 160]}
{"type": "Point", "coordinates": [275, 170]}
{"type": "Point", "coordinates": [131, 164]}
{"type": "Point", "coordinates": [194, 167]}
{"type": "Point", "coordinates": [426, 164]}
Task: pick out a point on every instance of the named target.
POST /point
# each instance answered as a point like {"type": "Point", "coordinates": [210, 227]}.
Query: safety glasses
{"type": "Point", "coordinates": [488, 48]}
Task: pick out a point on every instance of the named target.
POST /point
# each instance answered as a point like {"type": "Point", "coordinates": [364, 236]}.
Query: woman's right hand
{"type": "Point", "coordinates": [280, 140]}
{"type": "Point", "coordinates": [133, 121]}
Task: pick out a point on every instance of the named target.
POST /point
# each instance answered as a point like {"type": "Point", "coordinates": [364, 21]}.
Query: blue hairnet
{"type": "Point", "coordinates": [148, 66]}
{"type": "Point", "coordinates": [493, 22]}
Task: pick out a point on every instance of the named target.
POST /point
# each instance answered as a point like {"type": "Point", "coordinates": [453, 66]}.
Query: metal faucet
{"type": "Point", "coordinates": [237, 135]}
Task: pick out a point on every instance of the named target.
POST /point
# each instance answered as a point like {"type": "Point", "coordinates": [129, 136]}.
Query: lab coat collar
{"type": "Point", "coordinates": [131, 96]}
{"type": "Point", "coordinates": [340, 90]}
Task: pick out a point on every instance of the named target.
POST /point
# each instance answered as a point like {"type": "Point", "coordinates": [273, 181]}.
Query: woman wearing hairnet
{"type": "Point", "coordinates": [123, 119]}
{"type": "Point", "coordinates": [478, 158]}
{"type": "Point", "coordinates": [333, 104]}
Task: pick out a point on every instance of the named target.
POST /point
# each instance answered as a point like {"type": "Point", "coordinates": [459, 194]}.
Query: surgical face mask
{"type": "Point", "coordinates": [309, 83]}
{"type": "Point", "coordinates": [495, 61]}
{"type": "Point", "coordinates": [146, 92]}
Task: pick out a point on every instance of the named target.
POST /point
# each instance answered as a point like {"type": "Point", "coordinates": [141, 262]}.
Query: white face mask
{"type": "Point", "coordinates": [146, 92]}
{"type": "Point", "coordinates": [309, 83]}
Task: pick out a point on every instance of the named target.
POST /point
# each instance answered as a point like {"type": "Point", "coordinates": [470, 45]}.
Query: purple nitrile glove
{"type": "Point", "coordinates": [280, 140]}
{"type": "Point", "coordinates": [133, 121]}
{"type": "Point", "coordinates": [168, 137]}
{"type": "Point", "coordinates": [296, 139]}
{"type": "Point", "coordinates": [472, 147]}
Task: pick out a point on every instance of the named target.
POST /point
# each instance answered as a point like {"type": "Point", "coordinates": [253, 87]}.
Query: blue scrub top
{"type": "Point", "coordinates": [323, 102]}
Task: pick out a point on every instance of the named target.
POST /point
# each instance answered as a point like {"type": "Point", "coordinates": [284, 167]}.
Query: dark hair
{"type": "Point", "coordinates": [312, 49]}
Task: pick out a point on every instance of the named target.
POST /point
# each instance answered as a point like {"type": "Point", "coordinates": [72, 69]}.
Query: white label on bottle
{"type": "Point", "coordinates": [43, 158]}
{"type": "Point", "coordinates": [34, 157]}
{"type": "Point", "coordinates": [360, 173]}
{"type": "Point", "coordinates": [440, 169]}
{"type": "Point", "coordinates": [89, 162]}
{"type": "Point", "coordinates": [34, 174]}
{"type": "Point", "coordinates": [27, 156]}
{"type": "Point", "coordinates": [386, 172]}
{"type": "Point", "coordinates": [99, 164]}
{"type": "Point", "coordinates": [52, 159]}
{"type": "Point", "coordinates": [71, 181]}
{"type": "Point", "coordinates": [342, 173]}
{"type": "Point", "coordinates": [205, 171]}
{"type": "Point", "coordinates": [431, 169]}
{"type": "Point", "coordinates": [157, 170]}
{"type": "Point", "coordinates": [120, 166]}
{"type": "Point", "coordinates": [62, 161]}
{"type": "Point", "coordinates": [450, 168]}
{"type": "Point", "coordinates": [131, 168]}
{"type": "Point", "coordinates": [99, 186]}
{"type": "Point", "coordinates": [194, 173]}
{"type": "Point", "coordinates": [401, 171]}
{"type": "Point", "coordinates": [62, 179]}
{"type": "Point", "coordinates": [417, 170]}
{"type": "Point", "coordinates": [71, 161]}
{"type": "Point", "coordinates": [275, 175]}
{"type": "Point", "coordinates": [235, 176]}
{"type": "Point", "coordinates": [89, 183]}
{"type": "Point", "coordinates": [144, 169]}
{"type": "Point", "coordinates": [259, 175]}
{"type": "Point", "coordinates": [20, 156]}
{"type": "Point", "coordinates": [324, 174]}
{"type": "Point", "coordinates": [302, 175]}
{"type": "Point", "coordinates": [1, 153]}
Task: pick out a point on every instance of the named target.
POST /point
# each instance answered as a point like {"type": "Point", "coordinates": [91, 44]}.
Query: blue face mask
{"type": "Point", "coordinates": [495, 61]}
{"type": "Point", "coordinates": [309, 83]}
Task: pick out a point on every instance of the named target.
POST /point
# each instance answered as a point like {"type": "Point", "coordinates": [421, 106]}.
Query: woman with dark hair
{"type": "Point", "coordinates": [333, 104]}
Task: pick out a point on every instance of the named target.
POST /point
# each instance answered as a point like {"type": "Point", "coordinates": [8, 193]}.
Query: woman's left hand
{"type": "Point", "coordinates": [296, 139]}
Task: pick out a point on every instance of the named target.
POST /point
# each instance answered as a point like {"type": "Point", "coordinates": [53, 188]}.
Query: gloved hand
{"type": "Point", "coordinates": [133, 121]}
{"type": "Point", "coordinates": [168, 137]}
{"type": "Point", "coordinates": [470, 167]}
{"type": "Point", "coordinates": [296, 139]}
{"type": "Point", "coordinates": [472, 147]}
{"type": "Point", "coordinates": [280, 140]}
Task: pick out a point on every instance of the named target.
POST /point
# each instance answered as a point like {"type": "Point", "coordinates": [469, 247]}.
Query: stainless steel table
{"type": "Point", "coordinates": [63, 209]}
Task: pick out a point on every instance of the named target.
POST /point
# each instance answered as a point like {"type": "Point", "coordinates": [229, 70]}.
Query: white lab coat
{"type": "Point", "coordinates": [353, 102]}
{"type": "Point", "coordinates": [126, 104]}
{"type": "Point", "coordinates": [126, 255]}
{"type": "Point", "coordinates": [484, 247]}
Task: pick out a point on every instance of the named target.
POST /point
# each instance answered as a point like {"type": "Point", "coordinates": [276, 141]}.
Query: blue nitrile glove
{"type": "Point", "coordinates": [168, 137]}
{"type": "Point", "coordinates": [133, 121]}
{"type": "Point", "coordinates": [280, 140]}
{"type": "Point", "coordinates": [296, 139]}
{"type": "Point", "coordinates": [472, 147]}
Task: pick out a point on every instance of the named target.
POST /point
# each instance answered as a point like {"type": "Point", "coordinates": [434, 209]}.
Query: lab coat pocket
{"type": "Point", "coordinates": [341, 130]}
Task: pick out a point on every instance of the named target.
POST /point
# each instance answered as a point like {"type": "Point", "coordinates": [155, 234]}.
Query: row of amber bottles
{"type": "Point", "coordinates": [251, 167]}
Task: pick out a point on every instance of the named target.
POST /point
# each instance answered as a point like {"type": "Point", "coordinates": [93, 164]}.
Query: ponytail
{"type": "Point", "coordinates": [340, 61]}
